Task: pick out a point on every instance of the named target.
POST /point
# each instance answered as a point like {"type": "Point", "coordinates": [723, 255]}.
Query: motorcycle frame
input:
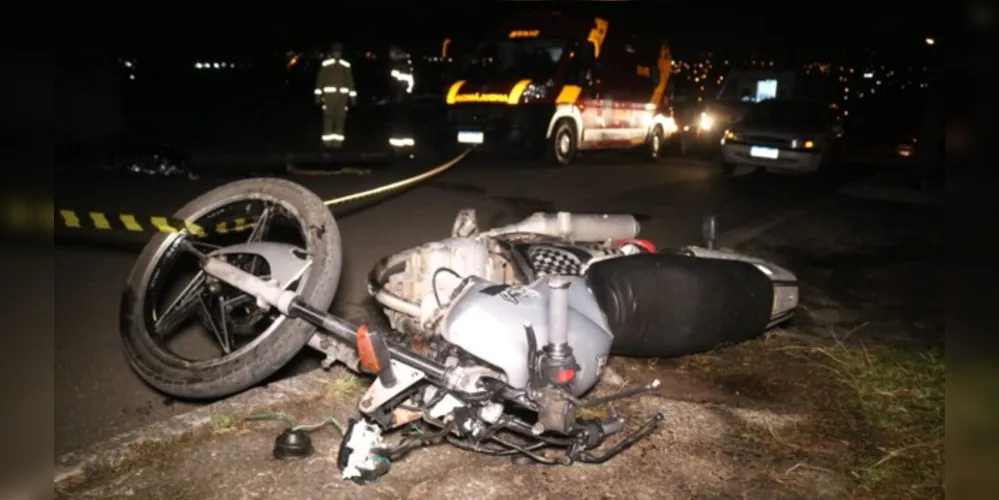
{"type": "Point", "coordinates": [338, 340]}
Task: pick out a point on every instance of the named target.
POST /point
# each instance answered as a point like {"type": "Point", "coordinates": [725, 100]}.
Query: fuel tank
{"type": "Point", "coordinates": [487, 321]}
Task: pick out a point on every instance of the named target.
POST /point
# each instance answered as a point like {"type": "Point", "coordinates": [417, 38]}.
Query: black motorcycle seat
{"type": "Point", "coordinates": [664, 305]}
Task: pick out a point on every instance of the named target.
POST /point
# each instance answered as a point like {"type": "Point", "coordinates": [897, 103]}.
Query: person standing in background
{"type": "Point", "coordinates": [401, 71]}
{"type": "Point", "coordinates": [401, 85]}
{"type": "Point", "coordinates": [335, 92]}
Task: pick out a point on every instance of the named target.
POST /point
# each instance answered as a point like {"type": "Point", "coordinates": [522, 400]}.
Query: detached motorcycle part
{"type": "Point", "coordinates": [358, 458]}
{"type": "Point", "coordinates": [292, 444]}
{"type": "Point", "coordinates": [251, 364]}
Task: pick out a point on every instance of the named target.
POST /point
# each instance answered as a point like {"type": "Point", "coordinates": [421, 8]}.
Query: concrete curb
{"type": "Point", "coordinates": [117, 452]}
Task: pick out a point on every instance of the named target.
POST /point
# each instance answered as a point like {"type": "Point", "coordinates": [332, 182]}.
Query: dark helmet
{"type": "Point", "coordinates": [336, 49]}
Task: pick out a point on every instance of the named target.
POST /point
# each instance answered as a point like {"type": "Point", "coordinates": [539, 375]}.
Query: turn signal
{"type": "Point", "coordinates": [366, 351]}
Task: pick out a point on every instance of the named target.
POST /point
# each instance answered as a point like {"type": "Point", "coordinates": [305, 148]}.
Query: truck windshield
{"type": "Point", "coordinates": [533, 58]}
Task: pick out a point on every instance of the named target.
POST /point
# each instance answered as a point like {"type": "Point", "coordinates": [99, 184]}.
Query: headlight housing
{"type": "Point", "coordinates": [731, 135]}
{"type": "Point", "coordinates": [535, 92]}
{"type": "Point", "coordinates": [804, 144]}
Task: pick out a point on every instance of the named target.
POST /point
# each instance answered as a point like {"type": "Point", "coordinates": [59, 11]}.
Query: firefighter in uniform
{"type": "Point", "coordinates": [335, 92]}
{"type": "Point", "coordinates": [400, 88]}
{"type": "Point", "coordinates": [401, 71]}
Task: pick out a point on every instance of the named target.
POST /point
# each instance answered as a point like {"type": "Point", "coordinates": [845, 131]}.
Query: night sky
{"type": "Point", "coordinates": [779, 27]}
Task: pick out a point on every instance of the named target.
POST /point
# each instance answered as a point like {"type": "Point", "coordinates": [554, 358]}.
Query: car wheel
{"type": "Point", "coordinates": [562, 147]}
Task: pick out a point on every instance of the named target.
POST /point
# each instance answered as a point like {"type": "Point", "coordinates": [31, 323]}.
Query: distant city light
{"type": "Point", "coordinates": [868, 75]}
{"type": "Point", "coordinates": [931, 41]}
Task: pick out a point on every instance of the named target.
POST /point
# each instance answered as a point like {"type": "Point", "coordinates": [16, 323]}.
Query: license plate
{"type": "Point", "coordinates": [762, 152]}
{"type": "Point", "coordinates": [471, 137]}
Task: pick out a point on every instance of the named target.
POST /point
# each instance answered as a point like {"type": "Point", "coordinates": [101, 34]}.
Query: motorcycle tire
{"type": "Point", "coordinates": [253, 363]}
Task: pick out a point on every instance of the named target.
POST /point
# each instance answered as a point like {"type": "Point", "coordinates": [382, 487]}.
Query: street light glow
{"type": "Point", "coordinates": [930, 41]}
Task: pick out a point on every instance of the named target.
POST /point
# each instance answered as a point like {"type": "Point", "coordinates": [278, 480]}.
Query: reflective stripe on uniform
{"type": "Point", "coordinates": [333, 138]}
{"type": "Point", "coordinates": [404, 77]}
{"type": "Point", "coordinates": [335, 90]}
{"type": "Point", "coordinates": [332, 61]}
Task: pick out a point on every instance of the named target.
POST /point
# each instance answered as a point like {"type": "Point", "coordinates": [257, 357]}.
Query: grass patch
{"type": "Point", "coordinates": [875, 415]}
{"type": "Point", "coordinates": [595, 413]}
{"type": "Point", "coordinates": [221, 422]}
{"type": "Point", "coordinates": [901, 394]}
{"type": "Point", "coordinates": [344, 387]}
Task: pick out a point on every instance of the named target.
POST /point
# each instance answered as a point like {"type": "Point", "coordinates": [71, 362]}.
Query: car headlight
{"type": "Point", "coordinates": [535, 92]}
{"type": "Point", "coordinates": [803, 144]}
{"type": "Point", "coordinates": [671, 126]}
{"type": "Point", "coordinates": [706, 122]}
{"type": "Point", "coordinates": [731, 135]}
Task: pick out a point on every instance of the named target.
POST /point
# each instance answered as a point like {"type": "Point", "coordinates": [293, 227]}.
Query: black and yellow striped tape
{"type": "Point", "coordinates": [105, 221]}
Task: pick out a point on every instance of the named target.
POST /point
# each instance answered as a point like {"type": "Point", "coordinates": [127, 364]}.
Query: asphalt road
{"type": "Point", "coordinates": [96, 394]}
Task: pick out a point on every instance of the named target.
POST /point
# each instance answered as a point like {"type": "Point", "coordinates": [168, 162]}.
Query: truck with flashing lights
{"type": "Point", "coordinates": [555, 85]}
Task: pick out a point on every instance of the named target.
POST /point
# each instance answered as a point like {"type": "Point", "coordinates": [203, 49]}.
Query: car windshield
{"type": "Point", "coordinates": [786, 114]}
{"type": "Point", "coordinates": [533, 58]}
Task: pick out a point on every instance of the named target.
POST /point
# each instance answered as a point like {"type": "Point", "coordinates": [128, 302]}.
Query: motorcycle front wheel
{"type": "Point", "coordinates": [253, 344]}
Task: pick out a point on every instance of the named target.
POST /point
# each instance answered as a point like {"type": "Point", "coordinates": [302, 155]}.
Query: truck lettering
{"type": "Point", "coordinates": [524, 33]}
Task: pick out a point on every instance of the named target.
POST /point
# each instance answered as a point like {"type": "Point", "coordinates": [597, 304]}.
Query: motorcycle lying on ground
{"type": "Point", "coordinates": [494, 338]}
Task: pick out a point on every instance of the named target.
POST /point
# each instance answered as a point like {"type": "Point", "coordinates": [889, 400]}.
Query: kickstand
{"type": "Point", "coordinates": [624, 444]}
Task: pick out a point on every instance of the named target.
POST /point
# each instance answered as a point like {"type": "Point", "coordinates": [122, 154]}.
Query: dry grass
{"type": "Point", "coordinates": [874, 415]}
{"type": "Point", "coordinates": [344, 387]}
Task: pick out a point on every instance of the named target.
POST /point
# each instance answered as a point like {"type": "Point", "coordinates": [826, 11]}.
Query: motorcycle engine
{"type": "Point", "coordinates": [434, 271]}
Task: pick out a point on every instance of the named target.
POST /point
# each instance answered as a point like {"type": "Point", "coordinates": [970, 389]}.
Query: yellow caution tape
{"type": "Point", "coordinates": [398, 184]}
{"type": "Point", "coordinates": [143, 224]}
{"type": "Point", "coordinates": [105, 221]}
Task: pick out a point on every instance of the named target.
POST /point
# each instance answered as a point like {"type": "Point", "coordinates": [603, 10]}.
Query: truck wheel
{"type": "Point", "coordinates": [655, 144]}
{"type": "Point", "coordinates": [562, 147]}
